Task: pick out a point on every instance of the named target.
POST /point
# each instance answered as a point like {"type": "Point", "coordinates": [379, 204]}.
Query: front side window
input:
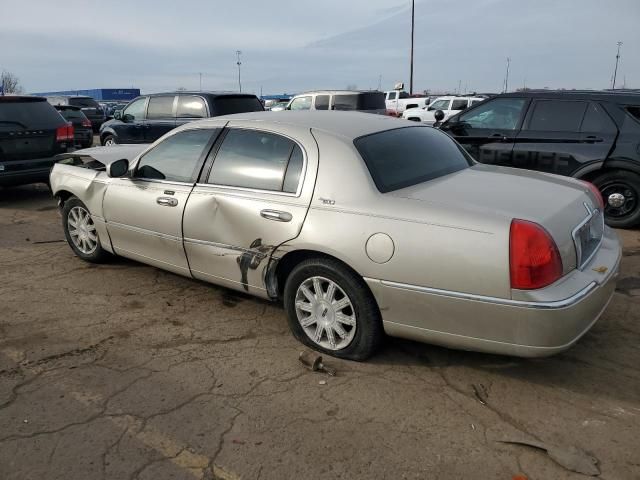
{"type": "Point", "coordinates": [407, 156]}
{"type": "Point", "coordinates": [557, 116]}
{"type": "Point", "coordinates": [191, 107]}
{"type": "Point", "coordinates": [300, 103]}
{"type": "Point", "coordinates": [440, 105]}
{"type": "Point", "coordinates": [499, 113]}
{"type": "Point", "coordinates": [135, 110]}
{"type": "Point", "coordinates": [175, 158]}
{"type": "Point", "coordinates": [322, 102]}
{"type": "Point", "coordinates": [257, 160]}
{"type": "Point", "coordinates": [160, 107]}
{"type": "Point", "coordinates": [393, 95]}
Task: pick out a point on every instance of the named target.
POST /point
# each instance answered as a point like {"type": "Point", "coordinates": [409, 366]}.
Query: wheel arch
{"type": "Point", "coordinates": [591, 171]}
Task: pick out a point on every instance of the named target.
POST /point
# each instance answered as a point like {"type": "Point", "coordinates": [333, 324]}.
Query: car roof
{"type": "Point", "coordinates": [622, 96]}
{"type": "Point", "coordinates": [337, 92]}
{"type": "Point", "coordinates": [346, 124]}
{"type": "Point", "coordinates": [462, 97]}
{"type": "Point", "coordinates": [21, 98]}
{"type": "Point", "coordinates": [202, 94]}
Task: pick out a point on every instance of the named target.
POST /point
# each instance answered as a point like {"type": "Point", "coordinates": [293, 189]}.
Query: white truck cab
{"type": "Point", "coordinates": [450, 105]}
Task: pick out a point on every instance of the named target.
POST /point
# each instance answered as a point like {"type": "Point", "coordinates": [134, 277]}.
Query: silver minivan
{"type": "Point", "coordinates": [369, 101]}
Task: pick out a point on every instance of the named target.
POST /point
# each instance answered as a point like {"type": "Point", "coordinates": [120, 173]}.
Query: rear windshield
{"type": "Point", "coordinates": [360, 101]}
{"type": "Point", "coordinates": [83, 102]}
{"type": "Point", "coordinates": [15, 116]}
{"type": "Point", "coordinates": [407, 156]}
{"type": "Point", "coordinates": [71, 114]}
{"type": "Point", "coordinates": [230, 104]}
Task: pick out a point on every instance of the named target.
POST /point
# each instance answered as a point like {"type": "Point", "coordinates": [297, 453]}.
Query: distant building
{"type": "Point", "coordinates": [125, 94]}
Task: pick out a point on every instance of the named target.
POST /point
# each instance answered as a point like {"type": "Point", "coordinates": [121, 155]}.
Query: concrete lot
{"type": "Point", "coordinates": [122, 371]}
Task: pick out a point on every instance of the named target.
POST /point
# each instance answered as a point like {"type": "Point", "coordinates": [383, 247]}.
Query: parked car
{"type": "Point", "coordinates": [82, 129]}
{"type": "Point", "coordinates": [147, 118]}
{"type": "Point", "coordinates": [88, 105]}
{"type": "Point", "coordinates": [397, 101]}
{"type": "Point", "coordinates": [594, 136]}
{"type": "Point", "coordinates": [450, 105]}
{"type": "Point", "coordinates": [32, 133]}
{"type": "Point", "coordinates": [362, 224]}
{"type": "Point", "coordinates": [363, 101]}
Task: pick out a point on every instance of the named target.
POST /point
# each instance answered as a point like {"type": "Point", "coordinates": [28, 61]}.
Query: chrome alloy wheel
{"type": "Point", "coordinates": [325, 313]}
{"type": "Point", "coordinates": [82, 230]}
{"type": "Point", "coordinates": [109, 142]}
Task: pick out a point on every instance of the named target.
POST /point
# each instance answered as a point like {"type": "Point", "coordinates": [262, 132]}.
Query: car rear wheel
{"type": "Point", "coordinates": [330, 309]}
{"type": "Point", "coordinates": [81, 233]}
{"type": "Point", "coordinates": [108, 140]}
{"type": "Point", "coordinates": [620, 191]}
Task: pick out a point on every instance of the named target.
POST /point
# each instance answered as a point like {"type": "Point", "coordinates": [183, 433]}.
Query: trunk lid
{"type": "Point", "coordinates": [561, 205]}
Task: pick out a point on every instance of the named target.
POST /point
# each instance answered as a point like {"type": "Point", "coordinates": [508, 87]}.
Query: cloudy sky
{"type": "Point", "coordinates": [293, 45]}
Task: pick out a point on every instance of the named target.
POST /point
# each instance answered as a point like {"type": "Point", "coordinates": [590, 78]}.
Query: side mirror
{"type": "Point", "coordinates": [118, 169]}
{"type": "Point", "coordinates": [438, 115]}
{"type": "Point", "coordinates": [117, 114]}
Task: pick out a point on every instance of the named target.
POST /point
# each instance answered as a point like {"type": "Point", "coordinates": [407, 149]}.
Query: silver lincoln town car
{"type": "Point", "coordinates": [363, 225]}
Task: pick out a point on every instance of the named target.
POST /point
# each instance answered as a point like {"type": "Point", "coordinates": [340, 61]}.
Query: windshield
{"type": "Point", "coordinates": [406, 156]}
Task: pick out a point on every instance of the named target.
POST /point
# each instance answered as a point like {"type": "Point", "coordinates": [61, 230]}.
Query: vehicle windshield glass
{"type": "Point", "coordinates": [407, 156]}
{"type": "Point", "coordinates": [230, 104]}
{"type": "Point", "coordinates": [83, 102]}
{"type": "Point", "coordinates": [15, 116]}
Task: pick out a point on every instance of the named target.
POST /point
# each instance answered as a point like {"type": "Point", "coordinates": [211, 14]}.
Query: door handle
{"type": "Point", "coordinates": [498, 136]}
{"type": "Point", "coordinates": [592, 139]}
{"type": "Point", "coordinates": [276, 215]}
{"type": "Point", "coordinates": [167, 201]}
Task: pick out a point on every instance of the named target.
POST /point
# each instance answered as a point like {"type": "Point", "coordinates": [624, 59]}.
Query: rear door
{"type": "Point", "coordinates": [488, 131]}
{"type": "Point", "coordinates": [550, 139]}
{"type": "Point", "coordinates": [161, 117]}
{"type": "Point", "coordinates": [252, 197]}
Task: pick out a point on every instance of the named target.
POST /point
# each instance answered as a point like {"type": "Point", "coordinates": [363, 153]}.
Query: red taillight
{"type": "Point", "coordinates": [596, 194]}
{"type": "Point", "coordinates": [86, 123]}
{"type": "Point", "coordinates": [65, 133]}
{"type": "Point", "coordinates": [534, 260]}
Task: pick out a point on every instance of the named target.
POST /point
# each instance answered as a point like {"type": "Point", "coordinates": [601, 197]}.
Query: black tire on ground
{"type": "Point", "coordinates": [369, 331]}
{"type": "Point", "coordinates": [626, 183]}
{"type": "Point", "coordinates": [413, 119]}
{"type": "Point", "coordinates": [108, 137]}
{"type": "Point", "coordinates": [97, 255]}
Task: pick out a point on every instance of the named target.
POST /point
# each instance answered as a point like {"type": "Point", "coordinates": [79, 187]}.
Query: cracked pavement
{"type": "Point", "coordinates": [123, 371]}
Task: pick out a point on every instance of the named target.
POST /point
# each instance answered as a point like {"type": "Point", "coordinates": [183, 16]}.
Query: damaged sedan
{"type": "Point", "coordinates": [362, 225]}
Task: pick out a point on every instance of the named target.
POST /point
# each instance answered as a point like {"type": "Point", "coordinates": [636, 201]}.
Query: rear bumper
{"type": "Point", "coordinates": [547, 323]}
{"type": "Point", "coordinates": [26, 171]}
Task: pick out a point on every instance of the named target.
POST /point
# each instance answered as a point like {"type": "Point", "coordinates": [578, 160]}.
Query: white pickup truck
{"type": "Point", "coordinates": [398, 101]}
{"type": "Point", "coordinates": [450, 105]}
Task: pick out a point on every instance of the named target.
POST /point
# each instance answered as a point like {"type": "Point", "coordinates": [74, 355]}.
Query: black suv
{"type": "Point", "coordinates": [88, 105]}
{"type": "Point", "coordinates": [32, 132]}
{"type": "Point", "coordinates": [149, 117]}
{"type": "Point", "coordinates": [82, 130]}
{"type": "Point", "coordinates": [593, 136]}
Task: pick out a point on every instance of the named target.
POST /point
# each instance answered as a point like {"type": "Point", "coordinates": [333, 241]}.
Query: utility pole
{"type": "Point", "coordinates": [459, 87]}
{"type": "Point", "coordinates": [379, 82]}
{"type": "Point", "coordinates": [615, 71]}
{"type": "Point", "coordinates": [413, 24]}
{"type": "Point", "coordinates": [238, 62]}
{"type": "Point", "coordinates": [506, 77]}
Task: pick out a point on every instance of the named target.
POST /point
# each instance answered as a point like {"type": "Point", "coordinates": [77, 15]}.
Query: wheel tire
{"type": "Point", "coordinates": [620, 180]}
{"type": "Point", "coordinates": [93, 255]}
{"type": "Point", "coordinates": [413, 119]}
{"type": "Point", "coordinates": [368, 322]}
{"type": "Point", "coordinates": [108, 140]}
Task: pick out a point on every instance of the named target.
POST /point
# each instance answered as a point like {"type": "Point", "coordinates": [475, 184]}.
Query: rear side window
{"type": "Point", "coordinates": [175, 158]}
{"type": "Point", "coordinates": [407, 156]}
{"type": "Point", "coordinates": [459, 105]}
{"type": "Point", "coordinates": [191, 107]}
{"type": "Point", "coordinates": [236, 104]}
{"type": "Point", "coordinates": [258, 160]}
{"type": "Point", "coordinates": [359, 101]}
{"type": "Point", "coordinates": [322, 102]}
{"type": "Point", "coordinates": [83, 102]}
{"type": "Point", "coordinates": [596, 120]}
{"type": "Point", "coordinates": [19, 116]}
{"type": "Point", "coordinates": [557, 116]}
{"type": "Point", "coordinates": [160, 107]}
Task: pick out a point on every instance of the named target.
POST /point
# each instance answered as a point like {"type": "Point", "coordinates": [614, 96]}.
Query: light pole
{"type": "Point", "coordinates": [615, 71]}
{"type": "Point", "coordinates": [506, 76]}
{"type": "Point", "coordinates": [238, 62]}
{"type": "Point", "coordinates": [413, 22]}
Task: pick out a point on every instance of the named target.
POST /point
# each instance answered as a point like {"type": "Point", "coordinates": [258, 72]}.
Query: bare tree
{"type": "Point", "coordinates": [10, 83]}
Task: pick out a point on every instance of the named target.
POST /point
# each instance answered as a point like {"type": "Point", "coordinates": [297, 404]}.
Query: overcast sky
{"type": "Point", "coordinates": [294, 45]}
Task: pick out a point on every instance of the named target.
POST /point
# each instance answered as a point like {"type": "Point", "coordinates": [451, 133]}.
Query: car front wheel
{"type": "Point", "coordinates": [330, 309]}
{"type": "Point", "coordinates": [620, 191]}
{"type": "Point", "coordinates": [108, 140]}
{"type": "Point", "coordinates": [81, 233]}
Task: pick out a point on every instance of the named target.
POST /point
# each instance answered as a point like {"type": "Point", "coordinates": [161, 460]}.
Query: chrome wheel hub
{"type": "Point", "coordinates": [82, 230]}
{"type": "Point", "coordinates": [616, 200]}
{"type": "Point", "coordinates": [325, 313]}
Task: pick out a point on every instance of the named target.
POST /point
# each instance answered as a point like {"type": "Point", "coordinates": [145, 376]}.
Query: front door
{"type": "Point", "coordinates": [144, 212]}
{"type": "Point", "coordinates": [130, 129]}
{"type": "Point", "coordinates": [488, 131]}
{"type": "Point", "coordinates": [161, 117]}
{"type": "Point", "coordinates": [251, 198]}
